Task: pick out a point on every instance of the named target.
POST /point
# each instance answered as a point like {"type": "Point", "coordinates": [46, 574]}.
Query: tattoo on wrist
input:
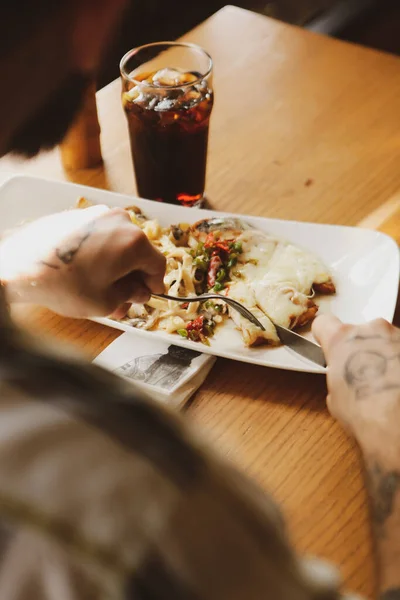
{"type": "Point", "coordinates": [391, 594]}
{"type": "Point", "coordinates": [371, 371]}
{"type": "Point", "coordinates": [383, 488]}
{"type": "Point", "coordinates": [67, 253]}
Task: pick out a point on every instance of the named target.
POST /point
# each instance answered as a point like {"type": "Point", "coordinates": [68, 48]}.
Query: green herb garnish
{"type": "Point", "coordinates": [237, 247]}
{"type": "Point", "coordinates": [200, 263]}
{"type": "Point", "coordinates": [221, 275]}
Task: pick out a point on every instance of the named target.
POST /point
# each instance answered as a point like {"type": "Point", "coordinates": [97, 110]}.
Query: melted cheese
{"type": "Point", "coordinates": [280, 277]}
{"type": "Point", "coordinates": [258, 250]}
{"type": "Point", "coordinates": [252, 335]}
{"type": "Point", "coordinates": [282, 304]}
{"type": "Point", "coordinates": [296, 267]}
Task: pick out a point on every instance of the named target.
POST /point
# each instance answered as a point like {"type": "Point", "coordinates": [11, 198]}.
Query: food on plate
{"type": "Point", "coordinates": [252, 335]}
{"type": "Point", "coordinates": [276, 280]}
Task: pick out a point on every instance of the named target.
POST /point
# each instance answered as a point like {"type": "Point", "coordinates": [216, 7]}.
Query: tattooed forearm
{"type": "Point", "coordinates": [67, 254]}
{"type": "Point", "coordinates": [392, 594]}
{"type": "Point", "coordinates": [371, 371]}
{"type": "Point", "coordinates": [383, 488]}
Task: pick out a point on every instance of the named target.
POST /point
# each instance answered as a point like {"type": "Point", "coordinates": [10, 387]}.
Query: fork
{"type": "Point", "coordinates": [242, 310]}
{"type": "Point", "coordinates": [289, 338]}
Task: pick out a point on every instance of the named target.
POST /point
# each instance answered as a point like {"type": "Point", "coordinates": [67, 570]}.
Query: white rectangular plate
{"type": "Point", "coordinates": [364, 263]}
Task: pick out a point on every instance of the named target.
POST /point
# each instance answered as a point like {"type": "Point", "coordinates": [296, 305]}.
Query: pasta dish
{"type": "Point", "coordinates": [273, 278]}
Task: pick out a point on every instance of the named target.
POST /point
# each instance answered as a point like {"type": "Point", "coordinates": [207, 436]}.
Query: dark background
{"type": "Point", "coordinates": [374, 23]}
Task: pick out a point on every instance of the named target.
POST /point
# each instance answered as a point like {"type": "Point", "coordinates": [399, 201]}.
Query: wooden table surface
{"type": "Point", "coordinates": [306, 128]}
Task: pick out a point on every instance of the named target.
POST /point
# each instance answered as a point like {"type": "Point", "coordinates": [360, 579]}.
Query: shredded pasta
{"type": "Point", "coordinates": [271, 277]}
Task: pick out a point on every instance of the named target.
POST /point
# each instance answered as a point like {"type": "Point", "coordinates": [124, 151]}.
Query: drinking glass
{"type": "Point", "coordinates": [168, 97]}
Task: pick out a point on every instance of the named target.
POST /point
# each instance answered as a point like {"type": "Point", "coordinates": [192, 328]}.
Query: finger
{"type": "Point", "coordinates": [134, 252]}
{"type": "Point", "coordinates": [121, 311]}
{"type": "Point", "coordinates": [140, 294]}
{"type": "Point", "coordinates": [152, 264]}
{"type": "Point", "coordinates": [325, 328]}
{"type": "Point", "coordinates": [155, 283]}
{"type": "Point", "coordinates": [131, 288]}
{"type": "Point", "coordinates": [329, 403]}
{"type": "Point", "coordinates": [332, 408]}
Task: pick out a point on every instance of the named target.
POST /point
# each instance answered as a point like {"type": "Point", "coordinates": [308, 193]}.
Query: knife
{"type": "Point", "coordinates": [289, 338]}
{"type": "Point", "coordinates": [301, 345]}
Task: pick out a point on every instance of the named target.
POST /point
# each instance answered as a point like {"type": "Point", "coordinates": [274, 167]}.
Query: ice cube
{"type": "Point", "coordinates": [131, 95]}
{"type": "Point", "coordinates": [165, 104]}
{"type": "Point", "coordinates": [201, 86]}
{"type": "Point", "coordinates": [191, 98]}
{"type": "Point", "coordinates": [152, 104]}
{"type": "Point", "coordinates": [167, 77]}
{"type": "Point", "coordinates": [188, 78]}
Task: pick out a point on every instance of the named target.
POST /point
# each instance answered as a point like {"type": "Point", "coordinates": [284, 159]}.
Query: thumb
{"type": "Point", "coordinates": [325, 328]}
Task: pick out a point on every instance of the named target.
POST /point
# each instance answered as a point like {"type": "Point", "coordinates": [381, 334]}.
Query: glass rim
{"type": "Point", "coordinates": [188, 45]}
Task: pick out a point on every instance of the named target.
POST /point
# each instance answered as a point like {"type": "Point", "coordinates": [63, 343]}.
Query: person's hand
{"type": "Point", "coordinates": [81, 263]}
{"type": "Point", "coordinates": [363, 375]}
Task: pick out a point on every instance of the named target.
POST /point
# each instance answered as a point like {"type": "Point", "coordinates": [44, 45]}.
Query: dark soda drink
{"type": "Point", "coordinates": [168, 112]}
{"type": "Point", "coordinates": [168, 130]}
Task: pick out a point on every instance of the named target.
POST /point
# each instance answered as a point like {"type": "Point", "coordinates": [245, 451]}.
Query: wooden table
{"type": "Point", "coordinates": [308, 128]}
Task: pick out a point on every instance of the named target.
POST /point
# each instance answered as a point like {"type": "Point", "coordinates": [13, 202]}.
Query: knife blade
{"type": "Point", "coordinates": [301, 345]}
{"type": "Point", "coordinates": [289, 338]}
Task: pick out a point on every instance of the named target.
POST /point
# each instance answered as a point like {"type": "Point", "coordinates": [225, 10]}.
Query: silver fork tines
{"type": "Point", "coordinates": [242, 310]}
{"type": "Point", "coordinates": [292, 340]}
